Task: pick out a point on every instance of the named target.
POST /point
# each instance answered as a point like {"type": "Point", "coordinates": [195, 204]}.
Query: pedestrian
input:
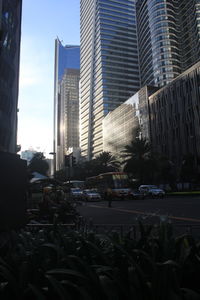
{"type": "Point", "coordinates": [46, 203]}
{"type": "Point", "coordinates": [109, 196]}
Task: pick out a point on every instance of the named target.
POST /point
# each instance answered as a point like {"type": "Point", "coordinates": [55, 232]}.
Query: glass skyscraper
{"type": "Point", "coordinates": [10, 34]}
{"type": "Point", "coordinates": [168, 38]}
{"type": "Point", "coordinates": [66, 101]}
{"type": "Point", "coordinates": [189, 14]}
{"type": "Point", "coordinates": [132, 115]}
{"type": "Point", "coordinates": [109, 65]}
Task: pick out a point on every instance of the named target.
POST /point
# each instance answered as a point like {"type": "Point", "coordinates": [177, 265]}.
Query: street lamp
{"type": "Point", "coordinates": [54, 162]}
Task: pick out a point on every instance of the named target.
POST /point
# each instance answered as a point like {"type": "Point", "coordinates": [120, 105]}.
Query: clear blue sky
{"type": "Point", "coordinates": [42, 22]}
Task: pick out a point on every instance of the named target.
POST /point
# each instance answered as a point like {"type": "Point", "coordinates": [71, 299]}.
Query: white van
{"type": "Point", "coordinates": [151, 190]}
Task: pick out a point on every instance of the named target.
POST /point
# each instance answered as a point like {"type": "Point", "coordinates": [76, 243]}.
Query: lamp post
{"type": "Point", "coordinates": [54, 162]}
{"type": "Point", "coordinates": [68, 165]}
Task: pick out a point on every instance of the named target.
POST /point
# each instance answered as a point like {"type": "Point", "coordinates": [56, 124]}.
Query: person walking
{"type": "Point", "coordinates": [109, 196]}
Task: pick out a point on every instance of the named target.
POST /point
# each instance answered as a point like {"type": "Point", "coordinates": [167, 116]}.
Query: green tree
{"type": "Point", "coordinates": [61, 175]}
{"type": "Point", "coordinates": [86, 169]}
{"type": "Point", "coordinates": [138, 161]}
{"type": "Point", "coordinates": [189, 172]}
{"type": "Point", "coordinates": [38, 164]}
{"type": "Point", "coordinates": [166, 170]}
{"type": "Point", "coordinates": [104, 162]}
{"type": "Point", "coordinates": [107, 162]}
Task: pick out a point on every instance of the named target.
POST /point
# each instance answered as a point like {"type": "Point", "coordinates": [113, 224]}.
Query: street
{"type": "Point", "coordinates": [181, 211]}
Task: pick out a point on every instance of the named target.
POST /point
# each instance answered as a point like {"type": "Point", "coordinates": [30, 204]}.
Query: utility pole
{"type": "Point", "coordinates": [68, 165]}
{"type": "Point", "coordinates": [54, 163]}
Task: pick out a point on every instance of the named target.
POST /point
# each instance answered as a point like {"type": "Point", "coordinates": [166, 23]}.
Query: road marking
{"type": "Point", "coordinates": [148, 214]}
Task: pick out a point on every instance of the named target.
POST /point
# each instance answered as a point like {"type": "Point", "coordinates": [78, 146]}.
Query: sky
{"type": "Point", "coordinates": [42, 22]}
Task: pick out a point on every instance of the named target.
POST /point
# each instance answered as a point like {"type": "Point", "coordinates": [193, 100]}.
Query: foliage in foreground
{"type": "Point", "coordinates": [57, 264]}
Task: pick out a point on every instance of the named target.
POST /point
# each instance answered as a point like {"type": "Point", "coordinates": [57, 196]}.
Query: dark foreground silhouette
{"type": "Point", "coordinates": [64, 264]}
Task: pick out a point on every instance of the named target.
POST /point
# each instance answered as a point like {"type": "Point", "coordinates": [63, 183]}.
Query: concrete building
{"type": "Point", "coordinates": [168, 38]}
{"type": "Point", "coordinates": [66, 101]}
{"type": "Point", "coordinates": [10, 34]}
{"type": "Point", "coordinates": [109, 65]}
{"type": "Point", "coordinates": [175, 117]}
{"type": "Point", "coordinates": [169, 118]}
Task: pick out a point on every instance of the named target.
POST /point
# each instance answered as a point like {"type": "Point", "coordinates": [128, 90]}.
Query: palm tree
{"type": "Point", "coordinates": [38, 164]}
{"type": "Point", "coordinates": [107, 162]}
{"type": "Point", "coordinates": [104, 162]}
{"type": "Point", "coordinates": [166, 172]}
{"type": "Point", "coordinates": [188, 172]}
{"type": "Point", "coordinates": [137, 160]}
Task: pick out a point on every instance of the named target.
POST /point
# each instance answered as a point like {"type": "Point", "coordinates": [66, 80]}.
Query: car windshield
{"type": "Point", "coordinates": [75, 190]}
{"type": "Point", "coordinates": [90, 191]}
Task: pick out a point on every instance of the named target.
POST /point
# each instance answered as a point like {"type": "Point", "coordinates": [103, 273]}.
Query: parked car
{"type": "Point", "coordinates": [76, 193]}
{"type": "Point", "coordinates": [151, 190]}
{"type": "Point", "coordinates": [91, 195]}
{"type": "Point", "coordinates": [137, 195]}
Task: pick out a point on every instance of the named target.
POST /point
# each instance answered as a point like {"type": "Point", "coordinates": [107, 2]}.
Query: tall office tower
{"type": "Point", "coordinates": [189, 32]}
{"type": "Point", "coordinates": [168, 38]}
{"type": "Point", "coordinates": [10, 34]}
{"type": "Point", "coordinates": [69, 90]}
{"type": "Point", "coordinates": [109, 65]}
{"type": "Point", "coordinates": [66, 101]}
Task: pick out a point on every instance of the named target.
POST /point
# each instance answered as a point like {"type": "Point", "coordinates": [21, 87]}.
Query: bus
{"type": "Point", "coordinates": [117, 182]}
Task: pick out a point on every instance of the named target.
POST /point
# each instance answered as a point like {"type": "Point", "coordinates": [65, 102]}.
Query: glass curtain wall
{"type": "Point", "coordinates": [158, 41]}
{"type": "Point", "coordinates": [168, 38]}
{"type": "Point", "coordinates": [189, 32]}
{"type": "Point", "coordinates": [66, 98]}
{"type": "Point", "coordinates": [109, 65]}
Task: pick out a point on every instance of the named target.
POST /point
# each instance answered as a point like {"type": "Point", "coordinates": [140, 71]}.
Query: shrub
{"type": "Point", "coordinates": [61, 264]}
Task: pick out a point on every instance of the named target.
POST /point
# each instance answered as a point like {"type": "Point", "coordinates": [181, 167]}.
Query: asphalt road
{"type": "Point", "coordinates": [181, 211]}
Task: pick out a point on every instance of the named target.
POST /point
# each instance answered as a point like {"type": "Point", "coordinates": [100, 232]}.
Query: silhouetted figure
{"type": "Point", "coordinates": [108, 196]}
{"type": "Point", "coordinates": [45, 205]}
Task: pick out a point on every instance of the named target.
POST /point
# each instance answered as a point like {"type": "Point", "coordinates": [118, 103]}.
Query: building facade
{"type": "Point", "coordinates": [168, 117]}
{"type": "Point", "coordinates": [69, 91]}
{"type": "Point", "coordinates": [109, 65]}
{"type": "Point", "coordinates": [175, 117]}
{"type": "Point", "coordinates": [189, 14]}
{"type": "Point", "coordinates": [168, 38]}
{"type": "Point", "coordinates": [120, 124]}
{"type": "Point", "coordinates": [10, 34]}
{"type": "Point", "coordinates": [66, 101]}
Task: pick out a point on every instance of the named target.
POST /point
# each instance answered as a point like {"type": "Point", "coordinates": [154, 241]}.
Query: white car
{"type": "Point", "coordinates": [151, 190]}
{"type": "Point", "coordinates": [76, 193]}
{"type": "Point", "coordinates": [91, 195]}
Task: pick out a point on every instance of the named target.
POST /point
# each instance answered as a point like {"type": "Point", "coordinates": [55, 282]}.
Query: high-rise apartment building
{"type": "Point", "coordinates": [109, 65]}
{"type": "Point", "coordinates": [10, 34]}
{"type": "Point", "coordinates": [168, 38]}
{"type": "Point", "coordinates": [66, 101]}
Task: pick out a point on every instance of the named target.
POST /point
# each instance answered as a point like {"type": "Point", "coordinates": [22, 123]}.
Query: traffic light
{"type": "Point", "coordinates": [73, 161]}
{"type": "Point", "coordinates": [67, 160]}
